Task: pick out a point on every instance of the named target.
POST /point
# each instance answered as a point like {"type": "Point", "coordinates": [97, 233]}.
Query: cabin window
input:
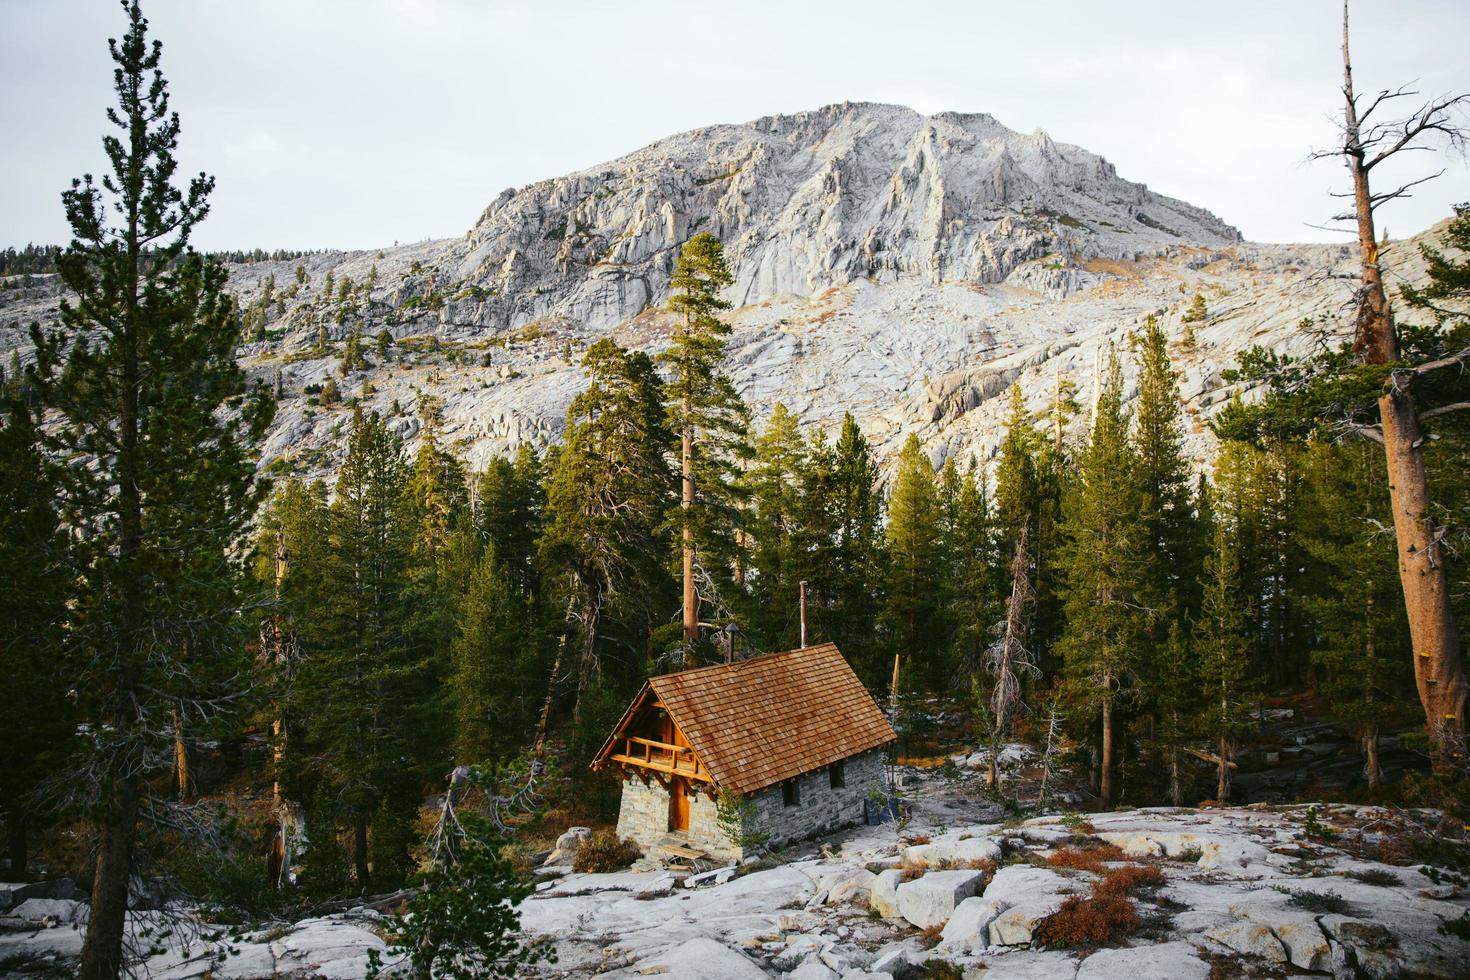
{"type": "Point", "coordinates": [836, 776]}
{"type": "Point", "coordinates": [790, 792]}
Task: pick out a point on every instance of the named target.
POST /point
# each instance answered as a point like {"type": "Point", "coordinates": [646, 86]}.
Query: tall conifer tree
{"type": "Point", "coordinates": [710, 421]}
{"type": "Point", "coordinates": [145, 398]}
{"type": "Point", "coordinates": [915, 565]}
{"type": "Point", "coordinates": [1105, 565]}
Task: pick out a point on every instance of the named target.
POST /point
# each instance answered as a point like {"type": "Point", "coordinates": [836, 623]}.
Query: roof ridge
{"type": "Point", "coordinates": [764, 658]}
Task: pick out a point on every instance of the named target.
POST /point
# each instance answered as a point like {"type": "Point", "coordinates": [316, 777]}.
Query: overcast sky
{"type": "Point", "coordinates": [357, 123]}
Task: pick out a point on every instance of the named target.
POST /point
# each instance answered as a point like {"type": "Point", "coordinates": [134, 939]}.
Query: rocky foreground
{"type": "Point", "coordinates": [1276, 891]}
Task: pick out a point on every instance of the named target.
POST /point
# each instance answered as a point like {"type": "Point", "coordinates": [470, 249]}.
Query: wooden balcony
{"type": "Point", "coordinates": [645, 753]}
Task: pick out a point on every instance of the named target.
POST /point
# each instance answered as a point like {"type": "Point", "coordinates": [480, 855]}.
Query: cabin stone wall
{"type": "Point", "coordinates": [643, 814]}
{"type": "Point", "coordinates": [821, 809]}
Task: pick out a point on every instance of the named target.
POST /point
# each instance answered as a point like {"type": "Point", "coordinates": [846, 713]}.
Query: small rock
{"type": "Point", "coordinates": [568, 844]}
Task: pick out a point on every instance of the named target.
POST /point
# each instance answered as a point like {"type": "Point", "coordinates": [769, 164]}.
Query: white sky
{"type": "Point", "coordinates": [357, 123]}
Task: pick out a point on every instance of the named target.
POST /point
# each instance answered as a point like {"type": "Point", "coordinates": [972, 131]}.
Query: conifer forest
{"type": "Point", "coordinates": [250, 684]}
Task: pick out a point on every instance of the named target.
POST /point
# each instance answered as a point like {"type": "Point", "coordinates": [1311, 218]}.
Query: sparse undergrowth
{"type": "Point", "coordinates": [1318, 903]}
{"type": "Point", "coordinates": [1103, 916]}
{"type": "Point", "coordinates": [605, 851]}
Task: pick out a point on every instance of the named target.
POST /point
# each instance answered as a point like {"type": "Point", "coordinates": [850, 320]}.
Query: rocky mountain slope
{"type": "Point", "coordinates": [907, 268]}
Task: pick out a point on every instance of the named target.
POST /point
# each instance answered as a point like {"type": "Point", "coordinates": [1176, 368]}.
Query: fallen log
{"type": "Point", "coordinates": [1210, 757]}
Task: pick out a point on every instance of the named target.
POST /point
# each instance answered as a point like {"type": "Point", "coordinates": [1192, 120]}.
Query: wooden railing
{"type": "Point", "coordinates": [646, 753]}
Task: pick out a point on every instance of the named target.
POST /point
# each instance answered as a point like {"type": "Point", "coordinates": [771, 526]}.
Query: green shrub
{"type": "Point", "coordinates": [1319, 903]}
{"type": "Point", "coordinates": [604, 852]}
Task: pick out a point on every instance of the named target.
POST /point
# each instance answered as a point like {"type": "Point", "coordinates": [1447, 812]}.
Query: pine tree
{"type": "Point", "coordinates": [35, 714]}
{"type": "Point", "coordinates": [1352, 595]}
{"type": "Point", "coordinates": [511, 504]}
{"type": "Point", "coordinates": [608, 493]}
{"type": "Point", "coordinates": [914, 551]}
{"type": "Point", "coordinates": [352, 359]}
{"type": "Point", "coordinates": [489, 665]}
{"type": "Point", "coordinates": [710, 420]}
{"type": "Point", "coordinates": [1176, 699]}
{"type": "Point", "coordinates": [775, 483]}
{"type": "Point", "coordinates": [975, 598]}
{"type": "Point", "coordinates": [850, 557]}
{"type": "Point", "coordinates": [1017, 492]}
{"type": "Point", "coordinates": [363, 691]}
{"type": "Point", "coordinates": [1105, 567]}
{"type": "Point", "coordinates": [1198, 311]}
{"type": "Point", "coordinates": [1220, 645]}
{"type": "Point", "coordinates": [141, 378]}
{"type": "Point", "coordinates": [1163, 475]}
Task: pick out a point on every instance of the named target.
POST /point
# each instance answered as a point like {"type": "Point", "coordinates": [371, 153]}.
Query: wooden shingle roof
{"type": "Point", "coordinates": [756, 722]}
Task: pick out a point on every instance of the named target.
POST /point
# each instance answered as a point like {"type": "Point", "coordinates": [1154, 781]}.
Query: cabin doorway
{"type": "Point", "coordinates": [679, 805]}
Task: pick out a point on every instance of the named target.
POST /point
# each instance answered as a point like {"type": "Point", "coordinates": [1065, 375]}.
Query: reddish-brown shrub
{"type": "Point", "coordinates": [1085, 859]}
{"type": "Point", "coordinates": [1126, 880]}
{"type": "Point", "coordinates": [1087, 922]}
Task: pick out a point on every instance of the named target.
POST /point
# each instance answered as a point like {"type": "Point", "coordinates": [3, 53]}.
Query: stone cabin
{"type": "Point", "coordinates": [795, 734]}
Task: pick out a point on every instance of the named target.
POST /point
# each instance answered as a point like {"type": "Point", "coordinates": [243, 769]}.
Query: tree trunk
{"type": "Point", "coordinates": [1176, 789]}
{"type": "Point", "coordinates": [1105, 781]}
{"type": "Point", "coordinates": [181, 760]}
{"type": "Point", "coordinates": [1222, 781]}
{"type": "Point", "coordinates": [1370, 749]}
{"type": "Point", "coordinates": [17, 842]}
{"type": "Point", "coordinates": [686, 502]}
{"type": "Point", "coordinates": [102, 951]}
{"type": "Point", "coordinates": [1438, 673]}
{"type": "Point", "coordinates": [544, 720]}
{"type": "Point", "coordinates": [360, 854]}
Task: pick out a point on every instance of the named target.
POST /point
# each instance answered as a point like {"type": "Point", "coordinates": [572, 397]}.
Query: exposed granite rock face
{"type": "Point", "coordinates": [902, 267]}
{"type": "Point", "coordinates": [811, 201]}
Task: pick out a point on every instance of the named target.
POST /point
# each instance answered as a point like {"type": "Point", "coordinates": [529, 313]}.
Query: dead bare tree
{"type": "Point", "coordinates": [1366, 144]}
{"type": "Point", "coordinates": [1008, 658]}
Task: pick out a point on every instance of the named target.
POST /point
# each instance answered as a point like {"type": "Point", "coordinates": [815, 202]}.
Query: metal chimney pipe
{"type": "Point", "coordinates": [803, 612]}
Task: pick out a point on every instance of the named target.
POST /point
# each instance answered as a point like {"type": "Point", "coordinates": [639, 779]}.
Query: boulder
{"type": "Point", "coordinates": [1249, 939]}
{"type": "Point", "coordinates": [1305, 943]}
{"type": "Point", "coordinates": [854, 887]}
{"type": "Point", "coordinates": [50, 911]}
{"type": "Point", "coordinates": [930, 900]}
{"type": "Point", "coordinates": [968, 930]}
{"type": "Point", "coordinates": [883, 893]}
{"type": "Point", "coordinates": [1021, 882]}
{"type": "Point", "coordinates": [568, 844]}
{"type": "Point", "coordinates": [1029, 895]}
{"type": "Point", "coordinates": [1165, 961]}
{"type": "Point", "coordinates": [952, 849]}
{"type": "Point", "coordinates": [50, 888]}
{"type": "Point", "coordinates": [1014, 926]}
